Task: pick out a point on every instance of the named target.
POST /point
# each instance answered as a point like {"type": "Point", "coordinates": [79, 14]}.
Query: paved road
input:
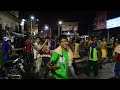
{"type": "Point", "coordinates": [105, 73]}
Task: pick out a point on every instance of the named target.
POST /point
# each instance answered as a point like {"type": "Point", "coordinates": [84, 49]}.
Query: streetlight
{"type": "Point", "coordinates": [37, 19]}
{"type": "Point", "coordinates": [48, 28]}
{"type": "Point", "coordinates": [59, 27]}
{"type": "Point", "coordinates": [32, 18]}
{"type": "Point", "coordinates": [41, 31]}
{"type": "Point", "coordinates": [60, 22]}
{"type": "Point", "coordinates": [45, 28]}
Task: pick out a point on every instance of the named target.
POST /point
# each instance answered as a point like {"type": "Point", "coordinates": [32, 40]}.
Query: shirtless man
{"type": "Point", "coordinates": [103, 51]}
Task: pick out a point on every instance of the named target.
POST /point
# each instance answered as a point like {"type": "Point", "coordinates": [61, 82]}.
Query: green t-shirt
{"type": "Point", "coordinates": [61, 73]}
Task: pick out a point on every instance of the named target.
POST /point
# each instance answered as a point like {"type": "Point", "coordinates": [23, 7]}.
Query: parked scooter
{"type": "Point", "coordinates": [14, 69]}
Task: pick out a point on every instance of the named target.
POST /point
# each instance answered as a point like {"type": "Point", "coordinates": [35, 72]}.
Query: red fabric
{"type": "Point", "coordinates": [118, 57]}
{"type": "Point", "coordinates": [28, 46]}
{"type": "Point", "coordinates": [46, 53]}
{"type": "Point", "coordinates": [70, 43]}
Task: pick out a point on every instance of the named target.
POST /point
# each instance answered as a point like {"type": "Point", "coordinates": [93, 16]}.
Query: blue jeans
{"type": "Point", "coordinates": [5, 56]}
{"type": "Point", "coordinates": [117, 69]}
{"type": "Point", "coordinates": [94, 65]}
{"type": "Point", "coordinates": [45, 61]}
{"type": "Point", "coordinates": [29, 58]}
{"type": "Point", "coordinates": [73, 72]}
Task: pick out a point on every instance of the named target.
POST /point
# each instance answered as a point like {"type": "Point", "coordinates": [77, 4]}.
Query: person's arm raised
{"type": "Point", "coordinates": [44, 44]}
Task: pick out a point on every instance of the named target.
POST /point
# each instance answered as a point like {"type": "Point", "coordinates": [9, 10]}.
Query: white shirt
{"type": "Point", "coordinates": [36, 54]}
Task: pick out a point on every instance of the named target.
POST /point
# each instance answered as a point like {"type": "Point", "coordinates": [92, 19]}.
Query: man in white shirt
{"type": "Point", "coordinates": [37, 57]}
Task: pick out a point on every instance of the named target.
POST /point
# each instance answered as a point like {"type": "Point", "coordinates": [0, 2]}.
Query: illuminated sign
{"type": "Point", "coordinates": [112, 23]}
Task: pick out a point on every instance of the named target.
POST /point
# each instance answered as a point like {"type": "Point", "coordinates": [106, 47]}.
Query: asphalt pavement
{"type": "Point", "coordinates": [105, 73]}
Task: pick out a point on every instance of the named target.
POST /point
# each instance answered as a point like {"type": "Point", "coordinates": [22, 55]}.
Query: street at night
{"type": "Point", "coordinates": [59, 45]}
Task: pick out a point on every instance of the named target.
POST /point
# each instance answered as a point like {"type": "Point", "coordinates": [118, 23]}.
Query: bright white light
{"type": "Point", "coordinates": [60, 22]}
{"type": "Point", "coordinates": [112, 23]}
{"type": "Point", "coordinates": [32, 17]}
{"type": "Point", "coordinates": [68, 38]}
{"type": "Point", "coordinates": [68, 33]}
{"type": "Point", "coordinates": [22, 23]}
{"type": "Point", "coordinates": [23, 20]}
{"type": "Point", "coordinates": [34, 33]}
{"type": "Point", "coordinates": [46, 27]}
{"type": "Point", "coordinates": [41, 31]}
{"type": "Point", "coordinates": [37, 19]}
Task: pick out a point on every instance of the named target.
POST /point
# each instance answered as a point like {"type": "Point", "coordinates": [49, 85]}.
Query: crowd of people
{"type": "Point", "coordinates": [59, 54]}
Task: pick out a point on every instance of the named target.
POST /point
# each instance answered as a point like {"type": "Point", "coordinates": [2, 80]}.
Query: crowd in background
{"type": "Point", "coordinates": [39, 51]}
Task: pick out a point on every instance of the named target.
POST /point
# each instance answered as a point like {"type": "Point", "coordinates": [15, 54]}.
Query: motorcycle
{"type": "Point", "coordinates": [14, 69]}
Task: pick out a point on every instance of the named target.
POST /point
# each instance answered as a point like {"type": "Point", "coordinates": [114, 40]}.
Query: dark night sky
{"type": "Point", "coordinates": [51, 17]}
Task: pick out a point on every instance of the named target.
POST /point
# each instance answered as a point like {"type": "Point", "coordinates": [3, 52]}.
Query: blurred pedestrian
{"type": "Point", "coordinates": [46, 58]}
{"type": "Point", "coordinates": [76, 55]}
{"type": "Point", "coordinates": [103, 47]}
{"type": "Point", "coordinates": [116, 55]}
{"type": "Point", "coordinates": [92, 63]}
{"type": "Point", "coordinates": [37, 48]}
{"type": "Point", "coordinates": [6, 49]}
{"type": "Point", "coordinates": [28, 51]}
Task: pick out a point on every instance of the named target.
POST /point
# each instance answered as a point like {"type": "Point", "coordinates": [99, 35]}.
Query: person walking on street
{"type": "Point", "coordinates": [116, 55]}
{"type": "Point", "coordinates": [103, 46]}
{"type": "Point", "coordinates": [92, 63]}
{"type": "Point", "coordinates": [76, 55]}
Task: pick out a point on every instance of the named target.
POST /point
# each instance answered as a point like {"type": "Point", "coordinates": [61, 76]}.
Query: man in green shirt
{"type": "Point", "coordinates": [61, 58]}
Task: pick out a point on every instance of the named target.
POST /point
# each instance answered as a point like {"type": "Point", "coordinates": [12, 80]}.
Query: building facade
{"type": "Point", "coordinates": [32, 29]}
{"type": "Point", "coordinates": [9, 20]}
{"type": "Point", "coordinates": [69, 28]}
